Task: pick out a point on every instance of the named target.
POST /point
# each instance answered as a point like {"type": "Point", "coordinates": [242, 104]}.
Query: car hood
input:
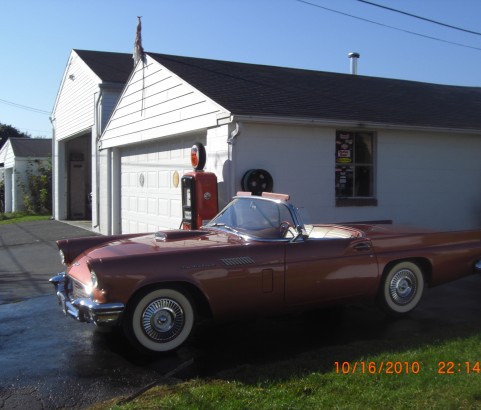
{"type": "Point", "coordinates": [149, 244]}
{"type": "Point", "coordinates": [163, 242]}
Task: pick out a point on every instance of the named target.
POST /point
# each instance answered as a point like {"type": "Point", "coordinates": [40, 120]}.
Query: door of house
{"type": "Point", "coordinates": [77, 194]}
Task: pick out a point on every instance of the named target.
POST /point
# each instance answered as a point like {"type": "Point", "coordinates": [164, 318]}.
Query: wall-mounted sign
{"type": "Point", "coordinates": [198, 156]}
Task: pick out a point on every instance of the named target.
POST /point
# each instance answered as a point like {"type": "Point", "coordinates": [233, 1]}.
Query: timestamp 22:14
{"type": "Point", "coordinates": [458, 367]}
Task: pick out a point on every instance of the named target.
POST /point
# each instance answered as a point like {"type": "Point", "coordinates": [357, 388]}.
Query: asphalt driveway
{"type": "Point", "coordinates": [48, 361]}
{"type": "Point", "coordinates": [29, 257]}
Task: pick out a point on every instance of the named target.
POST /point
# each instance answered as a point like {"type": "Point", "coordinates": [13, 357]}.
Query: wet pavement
{"type": "Point", "coordinates": [29, 257]}
{"type": "Point", "coordinates": [48, 361]}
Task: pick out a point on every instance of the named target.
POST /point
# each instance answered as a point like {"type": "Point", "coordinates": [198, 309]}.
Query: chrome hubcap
{"type": "Point", "coordinates": [403, 287]}
{"type": "Point", "coordinates": [163, 320]}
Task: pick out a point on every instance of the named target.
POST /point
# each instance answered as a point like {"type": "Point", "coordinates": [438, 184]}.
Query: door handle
{"type": "Point", "coordinates": [363, 246]}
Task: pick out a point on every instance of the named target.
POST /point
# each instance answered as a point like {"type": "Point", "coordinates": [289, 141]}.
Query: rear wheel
{"type": "Point", "coordinates": [160, 320]}
{"type": "Point", "coordinates": [402, 288]}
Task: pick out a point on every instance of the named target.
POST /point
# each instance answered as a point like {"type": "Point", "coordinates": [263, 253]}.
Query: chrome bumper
{"type": "Point", "coordinates": [85, 309]}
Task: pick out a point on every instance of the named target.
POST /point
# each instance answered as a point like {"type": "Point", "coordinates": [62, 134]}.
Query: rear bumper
{"type": "Point", "coordinates": [85, 309]}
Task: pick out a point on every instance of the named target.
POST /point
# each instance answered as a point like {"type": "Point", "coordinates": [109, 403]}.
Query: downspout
{"type": "Point", "coordinates": [54, 165]}
{"type": "Point", "coordinates": [231, 140]}
{"type": "Point", "coordinates": [115, 192]}
{"type": "Point", "coordinates": [109, 191]}
{"type": "Point", "coordinates": [98, 133]}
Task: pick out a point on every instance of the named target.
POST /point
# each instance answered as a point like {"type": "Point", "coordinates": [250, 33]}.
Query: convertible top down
{"type": "Point", "coordinates": [256, 257]}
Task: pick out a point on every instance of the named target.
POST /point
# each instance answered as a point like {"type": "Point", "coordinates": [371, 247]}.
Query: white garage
{"type": "Point", "coordinates": [150, 184]}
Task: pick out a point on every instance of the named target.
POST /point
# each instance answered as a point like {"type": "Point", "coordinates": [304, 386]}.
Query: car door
{"type": "Point", "coordinates": [248, 279]}
{"type": "Point", "coordinates": [323, 270]}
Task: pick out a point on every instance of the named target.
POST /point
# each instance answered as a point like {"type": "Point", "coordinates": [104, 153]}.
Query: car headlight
{"type": "Point", "coordinates": [95, 281]}
{"type": "Point", "coordinates": [62, 257]}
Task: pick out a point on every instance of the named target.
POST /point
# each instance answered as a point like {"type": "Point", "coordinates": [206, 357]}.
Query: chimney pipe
{"type": "Point", "coordinates": [353, 57]}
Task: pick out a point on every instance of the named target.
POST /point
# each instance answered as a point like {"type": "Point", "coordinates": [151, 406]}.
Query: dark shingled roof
{"type": "Point", "coordinates": [259, 90]}
{"type": "Point", "coordinates": [31, 147]}
{"type": "Point", "coordinates": [110, 67]}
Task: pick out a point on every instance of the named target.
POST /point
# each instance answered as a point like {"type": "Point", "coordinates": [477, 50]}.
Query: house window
{"type": "Point", "coordinates": [355, 168]}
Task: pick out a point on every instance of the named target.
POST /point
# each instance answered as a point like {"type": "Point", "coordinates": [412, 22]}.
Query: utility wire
{"type": "Point", "coordinates": [420, 18]}
{"type": "Point", "coordinates": [388, 26]}
{"type": "Point", "coordinates": [24, 107]}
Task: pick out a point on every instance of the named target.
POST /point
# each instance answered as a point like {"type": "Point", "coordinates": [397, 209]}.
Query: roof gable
{"type": "Point", "coordinates": [157, 103]}
{"type": "Point", "coordinates": [86, 74]}
{"type": "Point", "coordinates": [259, 90]}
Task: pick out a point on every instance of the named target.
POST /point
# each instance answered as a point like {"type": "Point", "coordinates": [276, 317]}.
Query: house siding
{"type": "Point", "coordinates": [156, 103]}
{"type": "Point", "coordinates": [218, 161]}
{"type": "Point", "coordinates": [74, 110]}
{"type": "Point", "coordinates": [430, 179]}
{"type": "Point", "coordinates": [9, 159]}
{"type": "Point", "coordinates": [424, 179]}
{"type": "Point", "coordinates": [299, 159]}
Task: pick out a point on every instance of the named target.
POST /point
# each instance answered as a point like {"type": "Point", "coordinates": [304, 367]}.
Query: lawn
{"type": "Point", "coordinates": [439, 375]}
{"type": "Point", "coordinates": [16, 217]}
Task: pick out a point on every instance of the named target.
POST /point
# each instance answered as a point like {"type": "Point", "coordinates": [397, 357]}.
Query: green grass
{"type": "Point", "coordinates": [16, 217]}
{"type": "Point", "coordinates": [423, 380]}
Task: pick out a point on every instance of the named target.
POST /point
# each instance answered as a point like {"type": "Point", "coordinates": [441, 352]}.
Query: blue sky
{"type": "Point", "coordinates": [36, 37]}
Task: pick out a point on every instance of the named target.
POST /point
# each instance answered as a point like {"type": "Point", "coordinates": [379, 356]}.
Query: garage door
{"type": "Point", "coordinates": [150, 185]}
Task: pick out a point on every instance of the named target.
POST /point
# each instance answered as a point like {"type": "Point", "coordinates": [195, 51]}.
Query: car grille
{"type": "Point", "coordinates": [77, 289]}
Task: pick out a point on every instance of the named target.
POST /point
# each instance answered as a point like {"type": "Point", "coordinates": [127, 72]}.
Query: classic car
{"type": "Point", "coordinates": [256, 257]}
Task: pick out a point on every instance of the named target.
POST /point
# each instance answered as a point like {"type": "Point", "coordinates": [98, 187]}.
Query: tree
{"type": "Point", "coordinates": [7, 131]}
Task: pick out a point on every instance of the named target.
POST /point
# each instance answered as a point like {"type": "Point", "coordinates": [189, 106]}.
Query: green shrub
{"type": "Point", "coordinates": [37, 187]}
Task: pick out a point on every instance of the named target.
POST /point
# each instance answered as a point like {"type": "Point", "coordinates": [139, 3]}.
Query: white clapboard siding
{"type": "Point", "coordinates": [7, 156]}
{"type": "Point", "coordinates": [74, 108]}
{"type": "Point", "coordinates": [156, 103]}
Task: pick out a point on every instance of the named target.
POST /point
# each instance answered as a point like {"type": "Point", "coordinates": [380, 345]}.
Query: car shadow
{"type": "Point", "coordinates": [312, 341]}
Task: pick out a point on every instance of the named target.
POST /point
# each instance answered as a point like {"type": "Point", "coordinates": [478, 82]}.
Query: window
{"type": "Point", "coordinates": [355, 168]}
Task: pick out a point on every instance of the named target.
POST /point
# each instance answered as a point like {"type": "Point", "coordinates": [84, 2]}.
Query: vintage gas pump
{"type": "Point", "coordinates": [199, 191]}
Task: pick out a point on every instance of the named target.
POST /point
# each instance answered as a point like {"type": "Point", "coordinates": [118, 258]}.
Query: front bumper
{"type": "Point", "coordinates": [85, 309]}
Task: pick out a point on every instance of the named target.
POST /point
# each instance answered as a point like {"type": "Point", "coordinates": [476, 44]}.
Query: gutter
{"type": "Point", "coordinates": [349, 124]}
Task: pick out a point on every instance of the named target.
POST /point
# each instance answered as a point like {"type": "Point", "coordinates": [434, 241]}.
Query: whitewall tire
{"type": "Point", "coordinates": [402, 288]}
{"type": "Point", "coordinates": [160, 320]}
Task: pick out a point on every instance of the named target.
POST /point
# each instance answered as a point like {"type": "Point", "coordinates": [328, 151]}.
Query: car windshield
{"type": "Point", "coordinates": [256, 217]}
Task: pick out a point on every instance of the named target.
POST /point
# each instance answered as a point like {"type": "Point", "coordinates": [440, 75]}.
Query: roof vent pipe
{"type": "Point", "coordinates": [353, 57]}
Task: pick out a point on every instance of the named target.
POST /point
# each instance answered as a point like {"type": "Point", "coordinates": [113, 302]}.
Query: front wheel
{"type": "Point", "coordinates": [160, 320]}
{"type": "Point", "coordinates": [402, 288]}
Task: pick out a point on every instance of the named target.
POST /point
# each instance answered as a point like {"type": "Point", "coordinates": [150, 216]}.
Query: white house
{"type": "Point", "coordinates": [90, 87]}
{"type": "Point", "coordinates": [18, 158]}
{"type": "Point", "coordinates": [346, 147]}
